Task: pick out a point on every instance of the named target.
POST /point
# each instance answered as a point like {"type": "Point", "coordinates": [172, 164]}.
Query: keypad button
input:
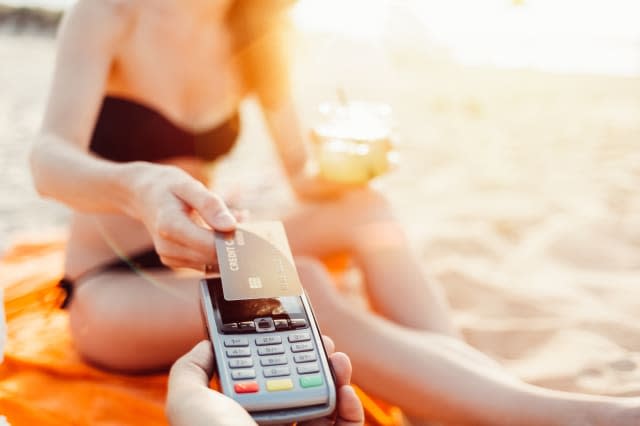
{"type": "Point", "coordinates": [308, 368]}
{"type": "Point", "coordinates": [230, 327]}
{"type": "Point", "coordinates": [297, 323]}
{"type": "Point", "coordinates": [268, 340]}
{"type": "Point", "coordinates": [231, 342]}
{"type": "Point", "coordinates": [299, 337]}
{"type": "Point", "coordinates": [304, 357]}
{"type": "Point", "coordinates": [310, 381]}
{"type": "Point", "coordinates": [238, 352]}
{"type": "Point", "coordinates": [273, 360]}
{"type": "Point", "coordinates": [247, 326]}
{"type": "Point", "coordinates": [276, 371]}
{"type": "Point", "coordinates": [301, 347]}
{"type": "Point", "coordinates": [246, 387]}
{"type": "Point", "coordinates": [240, 362]}
{"type": "Point", "coordinates": [248, 373]}
{"type": "Point", "coordinates": [279, 385]}
{"type": "Point", "coordinates": [281, 324]}
{"type": "Point", "coordinates": [271, 350]}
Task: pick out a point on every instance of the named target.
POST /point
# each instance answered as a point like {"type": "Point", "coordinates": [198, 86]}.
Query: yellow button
{"type": "Point", "coordinates": [279, 385]}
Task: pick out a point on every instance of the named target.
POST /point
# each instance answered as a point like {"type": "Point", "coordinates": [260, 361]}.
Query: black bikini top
{"type": "Point", "coordinates": [129, 131]}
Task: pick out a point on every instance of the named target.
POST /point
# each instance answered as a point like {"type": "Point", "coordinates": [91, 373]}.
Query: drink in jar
{"type": "Point", "coordinates": [353, 142]}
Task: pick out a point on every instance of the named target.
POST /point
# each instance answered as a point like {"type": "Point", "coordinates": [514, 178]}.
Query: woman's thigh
{"type": "Point", "coordinates": [344, 224]}
{"type": "Point", "coordinates": [136, 322]}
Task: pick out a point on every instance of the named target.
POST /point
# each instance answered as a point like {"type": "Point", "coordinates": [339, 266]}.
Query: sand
{"type": "Point", "coordinates": [520, 191]}
{"type": "Point", "coordinates": [26, 64]}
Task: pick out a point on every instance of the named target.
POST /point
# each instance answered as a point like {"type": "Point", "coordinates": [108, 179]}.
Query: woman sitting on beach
{"type": "Point", "coordinates": [144, 96]}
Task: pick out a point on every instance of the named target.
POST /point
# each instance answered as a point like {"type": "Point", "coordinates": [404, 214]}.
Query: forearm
{"type": "Point", "coordinates": [296, 157]}
{"type": "Point", "coordinates": [68, 174]}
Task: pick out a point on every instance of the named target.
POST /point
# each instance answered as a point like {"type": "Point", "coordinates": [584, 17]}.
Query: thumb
{"type": "Point", "coordinates": [194, 369]}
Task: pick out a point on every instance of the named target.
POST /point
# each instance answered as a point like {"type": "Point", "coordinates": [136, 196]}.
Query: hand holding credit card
{"type": "Point", "coordinates": [255, 262]}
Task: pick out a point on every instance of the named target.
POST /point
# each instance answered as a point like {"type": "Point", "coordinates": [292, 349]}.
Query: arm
{"type": "Point", "coordinates": [265, 70]}
{"type": "Point", "coordinates": [285, 131]}
{"type": "Point", "coordinates": [60, 166]}
{"type": "Point", "coordinates": [161, 197]}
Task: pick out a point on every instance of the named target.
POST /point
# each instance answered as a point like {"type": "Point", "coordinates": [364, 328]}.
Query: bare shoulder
{"type": "Point", "coordinates": [100, 20]}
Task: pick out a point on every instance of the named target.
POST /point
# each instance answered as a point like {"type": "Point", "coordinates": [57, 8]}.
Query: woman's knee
{"type": "Point", "coordinates": [366, 205]}
{"type": "Point", "coordinates": [360, 215]}
{"type": "Point", "coordinates": [371, 222]}
{"type": "Point", "coordinates": [96, 330]}
{"type": "Point", "coordinates": [110, 335]}
{"type": "Point", "coordinates": [89, 332]}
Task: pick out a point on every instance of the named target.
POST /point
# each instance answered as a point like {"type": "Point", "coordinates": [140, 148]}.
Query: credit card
{"type": "Point", "coordinates": [255, 262]}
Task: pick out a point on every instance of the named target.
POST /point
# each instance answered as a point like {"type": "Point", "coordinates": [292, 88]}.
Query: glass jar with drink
{"type": "Point", "coordinates": [352, 141]}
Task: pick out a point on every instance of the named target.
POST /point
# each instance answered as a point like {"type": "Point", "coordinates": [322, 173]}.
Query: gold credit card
{"type": "Point", "coordinates": [255, 262]}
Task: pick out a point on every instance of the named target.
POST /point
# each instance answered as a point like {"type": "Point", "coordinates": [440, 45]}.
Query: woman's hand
{"type": "Point", "coordinates": [190, 402]}
{"type": "Point", "coordinates": [170, 203]}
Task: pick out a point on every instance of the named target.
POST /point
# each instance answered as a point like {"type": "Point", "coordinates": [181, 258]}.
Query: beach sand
{"type": "Point", "coordinates": [520, 191]}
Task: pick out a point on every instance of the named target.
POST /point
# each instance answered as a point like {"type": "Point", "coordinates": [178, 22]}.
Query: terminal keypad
{"type": "Point", "coordinates": [272, 362]}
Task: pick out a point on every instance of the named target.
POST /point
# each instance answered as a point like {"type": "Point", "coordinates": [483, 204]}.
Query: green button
{"type": "Point", "coordinates": [310, 381]}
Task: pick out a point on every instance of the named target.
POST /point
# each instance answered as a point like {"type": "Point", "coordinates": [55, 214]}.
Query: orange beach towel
{"type": "Point", "coordinates": [43, 381]}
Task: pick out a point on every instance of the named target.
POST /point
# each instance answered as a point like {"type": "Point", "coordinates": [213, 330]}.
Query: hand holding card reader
{"type": "Point", "coordinates": [269, 353]}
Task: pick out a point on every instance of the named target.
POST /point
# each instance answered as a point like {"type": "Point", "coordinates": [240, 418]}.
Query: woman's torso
{"type": "Point", "coordinates": [178, 62]}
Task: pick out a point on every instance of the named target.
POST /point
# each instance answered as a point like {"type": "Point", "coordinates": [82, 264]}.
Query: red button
{"type": "Point", "coordinates": [246, 387]}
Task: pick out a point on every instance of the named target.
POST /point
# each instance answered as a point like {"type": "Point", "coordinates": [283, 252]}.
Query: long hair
{"type": "Point", "coordinates": [259, 29]}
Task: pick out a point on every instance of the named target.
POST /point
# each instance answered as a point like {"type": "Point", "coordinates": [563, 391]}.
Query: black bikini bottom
{"type": "Point", "coordinates": [147, 259]}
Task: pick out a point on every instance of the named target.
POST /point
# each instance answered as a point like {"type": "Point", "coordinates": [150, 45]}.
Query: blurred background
{"type": "Point", "coordinates": [518, 129]}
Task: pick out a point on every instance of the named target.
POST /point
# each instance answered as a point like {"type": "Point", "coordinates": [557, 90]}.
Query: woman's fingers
{"type": "Point", "coordinates": [182, 242]}
{"type": "Point", "coordinates": [168, 200]}
{"type": "Point", "coordinates": [210, 206]}
{"type": "Point", "coordinates": [170, 249]}
{"type": "Point", "coordinates": [181, 262]}
{"type": "Point", "coordinates": [241, 215]}
{"type": "Point", "coordinates": [174, 224]}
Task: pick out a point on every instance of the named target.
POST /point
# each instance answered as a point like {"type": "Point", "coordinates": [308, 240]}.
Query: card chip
{"type": "Point", "coordinates": [255, 282]}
